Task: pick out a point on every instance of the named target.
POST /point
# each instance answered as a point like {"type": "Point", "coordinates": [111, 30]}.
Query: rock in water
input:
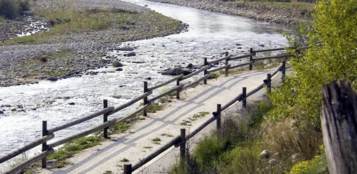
{"type": "Point", "coordinates": [117, 64]}
{"type": "Point", "coordinates": [53, 78]}
{"type": "Point", "coordinates": [124, 49]}
{"type": "Point", "coordinates": [130, 54]}
{"type": "Point", "coordinates": [176, 71]}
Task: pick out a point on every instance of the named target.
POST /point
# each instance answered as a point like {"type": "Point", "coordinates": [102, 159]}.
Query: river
{"type": "Point", "coordinates": [209, 35]}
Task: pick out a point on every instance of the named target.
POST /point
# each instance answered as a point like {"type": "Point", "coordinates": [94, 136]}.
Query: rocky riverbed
{"type": "Point", "coordinates": [262, 13]}
{"type": "Point", "coordinates": [69, 55]}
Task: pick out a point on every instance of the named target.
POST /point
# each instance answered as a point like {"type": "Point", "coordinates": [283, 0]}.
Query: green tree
{"type": "Point", "coordinates": [332, 55]}
{"type": "Point", "coordinates": [11, 9]}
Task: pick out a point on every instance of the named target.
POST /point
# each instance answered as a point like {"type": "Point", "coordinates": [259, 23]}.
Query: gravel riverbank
{"type": "Point", "coordinates": [262, 13]}
{"type": "Point", "coordinates": [69, 55]}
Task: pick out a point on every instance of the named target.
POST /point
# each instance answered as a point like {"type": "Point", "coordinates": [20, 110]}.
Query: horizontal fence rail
{"type": "Point", "coordinates": [196, 82]}
{"type": "Point", "coordinates": [167, 82]}
{"type": "Point", "coordinates": [26, 148]}
{"type": "Point", "coordinates": [218, 60]}
{"type": "Point", "coordinates": [130, 102]}
{"type": "Point", "coordinates": [48, 134]}
{"type": "Point", "coordinates": [166, 93]}
{"type": "Point", "coordinates": [31, 161]}
{"type": "Point", "coordinates": [81, 120]}
{"type": "Point", "coordinates": [220, 68]}
{"type": "Point", "coordinates": [242, 57]}
{"type": "Point", "coordinates": [196, 72]}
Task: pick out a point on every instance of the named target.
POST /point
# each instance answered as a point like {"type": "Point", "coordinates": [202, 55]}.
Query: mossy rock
{"type": "Point", "coordinates": [117, 64]}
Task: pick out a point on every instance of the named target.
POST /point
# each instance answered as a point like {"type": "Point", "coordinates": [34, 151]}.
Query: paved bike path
{"type": "Point", "coordinates": [137, 143]}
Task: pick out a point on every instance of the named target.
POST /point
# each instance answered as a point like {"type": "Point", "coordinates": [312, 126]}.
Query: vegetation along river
{"type": "Point", "coordinates": [209, 35]}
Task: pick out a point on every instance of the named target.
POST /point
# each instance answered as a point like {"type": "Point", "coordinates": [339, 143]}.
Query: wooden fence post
{"type": "Point", "coordinates": [145, 98]}
{"type": "Point", "coordinates": [44, 145]}
{"type": "Point", "coordinates": [205, 72]}
{"type": "Point", "coordinates": [339, 127]}
{"type": "Point", "coordinates": [178, 90]}
{"type": "Point", "coordinates": [251, 58]}
{"type": "Point", "coordinates": [105, 119]}
{"type": "Point", "coordinates": [283, 68]}
{"type": "Point", "coordinates": [218, 117]}
{"type": "Point", "coordinates": [244, 100]}
{"type": "Point", "coordinates": [269, 82]}
{"type": "Point", "coordinates": [183, 145]}
{"type": "Point", "coordinates": [127, 169]}
{"type": "Point", "coordinates": [226, 63]}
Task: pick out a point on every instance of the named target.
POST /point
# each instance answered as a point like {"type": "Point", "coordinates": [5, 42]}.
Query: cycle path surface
{"type": "Point", "coordinates": [137, 143]}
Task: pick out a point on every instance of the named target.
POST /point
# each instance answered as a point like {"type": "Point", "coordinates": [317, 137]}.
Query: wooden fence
{"type": "Point", "coordinates": [48, 134]}
{"type": "Point", "coordinates": [339, 127]}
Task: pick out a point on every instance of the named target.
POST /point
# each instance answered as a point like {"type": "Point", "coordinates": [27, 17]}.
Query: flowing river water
{"type": "Point", "coordinates": [209, 35]}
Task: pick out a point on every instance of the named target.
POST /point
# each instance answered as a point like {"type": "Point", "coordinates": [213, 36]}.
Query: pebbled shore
{"type": "Point", "coordinates": [72, 55]}
{"type": "Point", "coordinates": [273, 15]}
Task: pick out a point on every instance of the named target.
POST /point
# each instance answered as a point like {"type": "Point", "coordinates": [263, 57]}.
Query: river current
{"type": "Point", "coordinates": [209, 35]}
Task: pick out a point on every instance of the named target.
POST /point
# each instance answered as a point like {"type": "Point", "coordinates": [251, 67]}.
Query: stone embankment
{"type": "Point", "coordinates": [262, 13]}
{"type": "Point", "coordinates": [69, 55]}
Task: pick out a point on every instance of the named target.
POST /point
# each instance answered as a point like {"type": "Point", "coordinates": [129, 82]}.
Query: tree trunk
{"type": "Point", "coordinates": [339, 127]}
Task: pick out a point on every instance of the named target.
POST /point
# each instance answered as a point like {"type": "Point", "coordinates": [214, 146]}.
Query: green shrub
{"type": "Point", "coordinates": [236, 147]}
{"type": "Point", "coordinates": [208, 151]}
{"type": "Point", "coordinates": [317, 165]}
{"type": "Point", "coordinates": [11, 9]}
{"type": "Point", "coordinates": [243, 159]}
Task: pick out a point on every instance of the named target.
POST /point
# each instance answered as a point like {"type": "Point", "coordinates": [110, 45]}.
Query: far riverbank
{"type": "Point", "coordinates": [278, 15]}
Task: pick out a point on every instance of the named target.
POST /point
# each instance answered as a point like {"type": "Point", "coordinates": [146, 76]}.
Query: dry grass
{"type": "Point", "coordinates": [237, 146]}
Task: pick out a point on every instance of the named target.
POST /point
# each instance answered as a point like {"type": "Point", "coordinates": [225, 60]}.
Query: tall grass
{"type": "Point", "coordinates": [237, 146]}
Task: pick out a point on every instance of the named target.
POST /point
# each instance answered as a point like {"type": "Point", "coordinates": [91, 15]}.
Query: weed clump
{"type": "Point", "coordinates": [238, 147]}
{"type": "Point", "coordinates": [71, 148]}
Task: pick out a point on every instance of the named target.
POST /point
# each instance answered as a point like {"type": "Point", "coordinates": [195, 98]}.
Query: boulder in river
{"type": "Point", "coordinates": [176, 71]}
{"type": "Point", "coordinates": [124, 49]}
{"type": "Point", "coordinates": [117, 64]}
{"type": "Point", "coordinates": [53, 78]}
{"type": "Point", "coordinates": [130, 54]}
{"type": "Point", "coordinates": [191, 66]}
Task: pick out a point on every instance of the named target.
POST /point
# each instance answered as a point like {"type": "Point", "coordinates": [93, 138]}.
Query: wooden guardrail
{"type": "Point", "coordinates": [216, 116]}
{"type": "Point", "coordinates": [48, 134]}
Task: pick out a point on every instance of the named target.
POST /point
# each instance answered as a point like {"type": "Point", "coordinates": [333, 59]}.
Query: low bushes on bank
{"type": "Point", "coordinates": [251, 142]}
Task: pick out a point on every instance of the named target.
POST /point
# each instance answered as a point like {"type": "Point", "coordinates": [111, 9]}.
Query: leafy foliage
{"type": "Point", "coordinates": [331, 56]}
{"type": "Point", "coordinates": [317, 165]}
{"type": "Point", "coordinates": [11, 9]}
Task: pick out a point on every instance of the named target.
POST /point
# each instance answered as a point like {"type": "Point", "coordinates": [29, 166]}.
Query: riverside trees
{"type": "Point", "coordinates": [11, 9]}
{"type": "Point", "coordinates": [332, 55]}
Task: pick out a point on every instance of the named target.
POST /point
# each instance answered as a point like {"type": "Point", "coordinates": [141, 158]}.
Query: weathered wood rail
{"type": "Point", "coordinates": [48, 134]}
{"type": "Point", "coordinates": [339, 127]}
